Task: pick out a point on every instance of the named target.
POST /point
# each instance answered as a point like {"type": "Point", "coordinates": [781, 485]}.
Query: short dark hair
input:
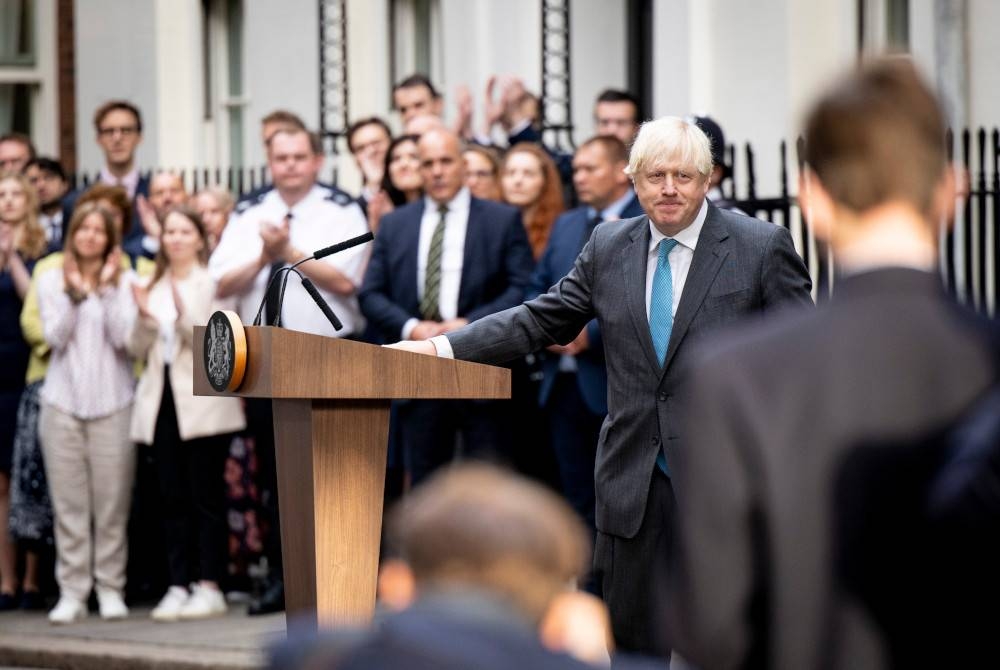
{"type": "Point", "coordinates": [46, 164]}
{"type": "Point", "coordinates": [22, 139]}
{"type": "Point", "coordinates": [476, 526]}
{"type": "Point", "coordinates": [315, 141]}
{"type": "Point", "coordinates": [112, 105]}
{"type": "Point", "coordinates": [878, 135]}
{"type": "Point", "coordinates": [284, 117]}
{"type": "Point", "coordinates": [613, 147]}
{"type": "Point", "coordinates": [361, 123]}
{"type": "Point", "coordinates": [415, 80]}
{"type": "Point", "coordinates": [618, 95]}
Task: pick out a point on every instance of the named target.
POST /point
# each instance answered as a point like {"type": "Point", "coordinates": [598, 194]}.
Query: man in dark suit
{"type": "Point", "coordinates": [437, 264]}
{"type": "Point", "coordinates": [776, 412]}
{"type": "Point", "coordinates": [118, 125]}
{"type": "Point", "coordinates": [656, 284]}
{"type": "Point", "coordinates": [574, 389]}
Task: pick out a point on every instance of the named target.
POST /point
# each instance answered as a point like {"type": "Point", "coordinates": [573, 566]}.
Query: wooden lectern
{"type": "Point", "coordinates": [331, 427]}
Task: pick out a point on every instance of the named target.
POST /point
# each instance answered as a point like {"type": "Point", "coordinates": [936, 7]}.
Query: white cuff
{"type": "Point", "coordinates": [150, 244]}
{"type": "Point", "coordinates": [443, 346]}
{"type": "Point", "coordinates": [408, 328]}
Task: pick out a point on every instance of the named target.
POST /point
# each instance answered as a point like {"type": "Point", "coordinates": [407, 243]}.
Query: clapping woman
{"type": "Point", "coordinates": [86, 404]}
{"type": "Point", "coordinates": [190, 435]}
{"type": "Point", "coordinates": [22, 242]}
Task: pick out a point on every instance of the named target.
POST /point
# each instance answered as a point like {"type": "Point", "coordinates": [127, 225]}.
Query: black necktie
{"type": "Point", "coordinates": [271, 299]}
{"type": "Point", "coordinates": [591, 225]}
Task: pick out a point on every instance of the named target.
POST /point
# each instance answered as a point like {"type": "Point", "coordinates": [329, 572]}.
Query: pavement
{"type": "Point", "coordinates": [232, 642]}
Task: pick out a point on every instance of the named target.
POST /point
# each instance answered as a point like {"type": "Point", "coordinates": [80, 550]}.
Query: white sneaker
{"type": "Point", "coordinates": [67, 610]}
{"type": "Point", "coordinates": [204, 602]}
{"type": "Point", "coordinates": [111, 605]}
{"type": "Point", "coordinates": [170, 605]}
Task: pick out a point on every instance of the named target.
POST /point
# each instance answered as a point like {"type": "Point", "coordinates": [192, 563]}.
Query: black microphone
{"type": "Point", "coordinates": [318, 299]}
{"type": "Point", "coordinates": [341, 246]}
{"type": "Point", "coordinates": [322, 253]}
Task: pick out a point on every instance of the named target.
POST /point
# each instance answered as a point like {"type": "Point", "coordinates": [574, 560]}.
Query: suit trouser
{"type": "Point", "coordinates": [90, 465]}
{"type": "Point", "coordinates": [431, 427]}
{"type": "Point", "coordinates": [575, 431]}
{"type": "Point", "coordinates": [630, 573]}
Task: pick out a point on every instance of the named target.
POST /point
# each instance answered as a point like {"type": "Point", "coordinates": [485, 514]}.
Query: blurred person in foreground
{"type": "Point", "coordinates": [776, 409]}
{"type": "Point", "coordinates": [484, 579]}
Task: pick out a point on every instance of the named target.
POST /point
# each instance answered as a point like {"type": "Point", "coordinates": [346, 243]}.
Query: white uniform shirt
{"type": "Point", "coordinates": [324, 217]}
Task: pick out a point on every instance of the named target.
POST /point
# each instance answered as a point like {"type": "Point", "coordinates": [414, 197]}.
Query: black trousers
{"type": "Point", "coordinates": [431, 429]}
{"type": "Point", "coordinates": [193, 493]}
{"type": "Point", "coordinates": [575, 430]}
{"type": "Point", "coordinates": [260, 424]}
{"type": "Point", "coordinates": [630, 573]}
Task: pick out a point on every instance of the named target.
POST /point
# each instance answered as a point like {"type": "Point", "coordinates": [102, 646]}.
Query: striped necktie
{"type": "Point", "coordinates": [430, 303]}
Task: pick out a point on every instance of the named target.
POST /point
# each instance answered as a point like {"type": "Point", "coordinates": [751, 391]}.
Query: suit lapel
{"type": "Point", "coordinates": [411, 242]}
{"type": "Point", "coordinates": [468, 263]}
{"type": "Point", "coordinates": [708, 256]}
{"type": "Point", "coordinates": [633, 262]}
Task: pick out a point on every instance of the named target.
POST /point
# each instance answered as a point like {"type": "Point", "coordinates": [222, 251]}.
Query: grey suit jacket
{"type": "Point", "coordinates": [774, 412]}
{"type": "Point", "coordinates": [741, 267]}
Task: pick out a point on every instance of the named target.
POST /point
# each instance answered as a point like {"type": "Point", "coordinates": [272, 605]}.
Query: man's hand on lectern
{"type": "Point", "coordinates": [415, 346]}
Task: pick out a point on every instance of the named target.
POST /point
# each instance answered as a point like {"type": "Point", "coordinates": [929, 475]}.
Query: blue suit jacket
{"type": "Point", "coordinates": [570, 233]}
{"type": "Point", "coordinates": [132, 242]}
{"type": "Point", "coordinates": [495, 271]}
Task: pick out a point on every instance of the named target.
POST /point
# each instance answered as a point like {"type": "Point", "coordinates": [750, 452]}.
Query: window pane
{"type": "Point", "coordinates": [15, 108]}
{"type": "Point", "coordinates": [17, 32]}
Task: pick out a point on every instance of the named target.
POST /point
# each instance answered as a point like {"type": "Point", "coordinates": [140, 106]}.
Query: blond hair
{"type": "Point", "coordinates": [670, 140]}
{"type": "Point", "coordinates": [32, 243]}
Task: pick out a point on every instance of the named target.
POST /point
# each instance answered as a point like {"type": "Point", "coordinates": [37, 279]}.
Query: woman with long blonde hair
{"type": "Point", "coordinates": [22, 242]}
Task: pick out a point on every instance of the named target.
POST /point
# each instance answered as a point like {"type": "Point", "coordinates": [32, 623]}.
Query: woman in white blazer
{"type": "Point", "coordinates": [189, 434]}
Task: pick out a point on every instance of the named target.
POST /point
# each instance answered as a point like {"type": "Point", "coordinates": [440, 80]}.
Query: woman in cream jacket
{"type": "Point", "coordinates": [190, 434]}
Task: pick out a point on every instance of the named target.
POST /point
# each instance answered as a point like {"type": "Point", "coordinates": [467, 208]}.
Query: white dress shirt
{"type": "Point", "coordinates": [318, 220]}
{"type": "Point", "coordinates": [452, 254]}
{"type": "Point", "coordinates": [679, 258]}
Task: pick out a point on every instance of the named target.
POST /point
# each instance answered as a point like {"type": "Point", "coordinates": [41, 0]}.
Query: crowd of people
{"type": "Point", "coordinates": [599, 277]}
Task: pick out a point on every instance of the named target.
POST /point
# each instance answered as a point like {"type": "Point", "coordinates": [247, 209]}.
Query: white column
{"type": "Point", "coordinates": [179, 83]}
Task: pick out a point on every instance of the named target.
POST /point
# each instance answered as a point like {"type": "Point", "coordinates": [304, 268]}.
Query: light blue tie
{"type": "Point", "coordinates": [661, 317]}
{"type": "Point", "coordinates": [661, 302]}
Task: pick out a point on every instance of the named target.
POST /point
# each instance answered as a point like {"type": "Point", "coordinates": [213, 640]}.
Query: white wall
{"type": "Point", "coordinates": [281, 65]}
{"type": "Point", "coordinates": [598, 53]}
{"type": "Point", "coordinates": [115, 58]}
{"type": "Point", "coordinates": [180, 85]}
{"type": "Point", "coordinates": [753, 67]}
{"type": "Point", "coordinates": [984, 63]}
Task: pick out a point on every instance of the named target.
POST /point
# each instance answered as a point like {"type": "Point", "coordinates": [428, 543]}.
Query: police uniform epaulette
{"type": "Point", "coordinates": [334, 194]}
{"type": "Point", "coordinates": [252, 199]}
